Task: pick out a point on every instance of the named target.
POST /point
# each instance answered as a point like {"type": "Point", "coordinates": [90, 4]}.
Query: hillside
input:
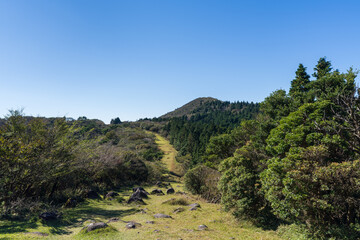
{"type": "Point", "coordinates": [197, 121]}
{"type": "Point", "coordinates": [183, 224]}
{"type": "Point", "coordinates": [190, 108]}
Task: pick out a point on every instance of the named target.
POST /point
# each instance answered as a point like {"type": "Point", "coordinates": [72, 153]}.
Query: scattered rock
{"type": "Point", "coordinates": [178, 210]}
{"type": "Point", "coordinates": [170, 191]}
{"type": "Point", "coordinates": [94, 226]}
{"type": "Point", "coordinates": [136, 188]}
{"type": "Point", "coordinates": [193, 208]}
{"type": "Point", "coordinates": [161, 184]}
{"type": "Point", "coordinates": [130, 225]}
{"type": "Point", "coordinates": [157, 192]}
{"type": "Point", "coordinates": [40, 234]}
{"type": "Point", "coordinates": [160, 215]}
{"type": "Point", "coordinates": [111, 195]}
{"type": "Point", "coordinates": [135, 199]}
{"type": "Point", "coordinates": [156, 231]}
{"type": "Point", "coordinates": [202, 227]}
{"type": "Point", "coordinates": [194, 205]}
{"type": "Point", "coordinates": [150, 222]}
{"type": "Point", "coordinates": [138, 196]}
{"type": "Point", "coordinates": [141, 189]}
{"type": "Point", "coordinates": [141, 193]}
{"type": "Point", "coordinates": [48, 216]}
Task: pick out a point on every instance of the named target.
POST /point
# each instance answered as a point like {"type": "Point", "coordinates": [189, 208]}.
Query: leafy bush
{"type": "Point", "coordinates": [240, 186]}
{"type": "Point", "coordinates": [203, 180]}
{"type": "Point", "coordinates": [51, 160]}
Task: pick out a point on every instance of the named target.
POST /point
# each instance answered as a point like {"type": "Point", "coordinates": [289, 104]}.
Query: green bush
{"type": "Point", "coordinates": [203, 180]}
{"type": "Point", "coordinates": [240, 186]}
{"type": "Point", "coordinates": [312, 177]}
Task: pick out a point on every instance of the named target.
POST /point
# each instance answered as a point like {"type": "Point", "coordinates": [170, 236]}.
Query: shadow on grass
{"type": "Point", "coordinates": [15, 226]}
{"type": "Point", "coordinates": [74, 217]}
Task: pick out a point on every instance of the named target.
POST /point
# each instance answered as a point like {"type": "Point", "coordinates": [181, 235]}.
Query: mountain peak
{"type": "Point", "coordinates": [189, 108]}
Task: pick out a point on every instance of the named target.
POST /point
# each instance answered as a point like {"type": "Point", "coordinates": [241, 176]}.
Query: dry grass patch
{"type": "Point", "coordinates": [177, 201]}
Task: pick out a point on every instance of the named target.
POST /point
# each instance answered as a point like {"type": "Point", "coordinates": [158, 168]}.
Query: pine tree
{"type": "Point", "coordinates": [322, 68]}
{"type": "Point", "coordinates": [300, 85]}
{"type": "Point", "coordinates": [115, 121]}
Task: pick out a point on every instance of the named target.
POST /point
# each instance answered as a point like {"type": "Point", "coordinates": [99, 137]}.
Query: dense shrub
{"type": "Point", "coordinates": [51, 160]}
{"type": "Point", "coordinates": [240, 185]}
{"type": "Point", "coordinates": [203, 180]}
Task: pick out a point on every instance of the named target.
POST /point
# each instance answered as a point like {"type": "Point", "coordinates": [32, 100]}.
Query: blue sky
{"type": "Point", "coordinates": [135, 59]}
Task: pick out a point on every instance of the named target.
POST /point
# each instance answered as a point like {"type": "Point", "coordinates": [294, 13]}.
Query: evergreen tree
{"type": "Point", "coordinates": [115, 121]}
{"type": "Point", "coordinates": [322, 68]}
{"type": "Point", "coordinates": [300, 85]}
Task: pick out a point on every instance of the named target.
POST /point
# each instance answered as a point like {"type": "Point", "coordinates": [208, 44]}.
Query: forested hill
{"type": "Point", "coordinates": [190, 108]}
{"type": "Point", "coordinates": [202, 118]}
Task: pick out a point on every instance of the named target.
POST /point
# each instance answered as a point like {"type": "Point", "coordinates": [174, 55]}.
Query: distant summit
{"type": "Point", "coordinates": [189, 109]}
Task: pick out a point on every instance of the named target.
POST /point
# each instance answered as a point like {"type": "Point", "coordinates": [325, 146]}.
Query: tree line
{"type": "Point", "coordinates": [297, 161]}
{"type": "Point", "coordinates": [190, 135]}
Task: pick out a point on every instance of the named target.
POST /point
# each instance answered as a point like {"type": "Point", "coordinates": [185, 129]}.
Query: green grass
{"type": "Point", "coordinates": [182, 225]}
{"type": "Point", "coordinates": [177, 201]}
{"type": "Point", "coordinates": [169, 154]}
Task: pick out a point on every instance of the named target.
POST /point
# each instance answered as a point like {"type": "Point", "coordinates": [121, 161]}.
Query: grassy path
{"type": "Point", "coordinates": [182, 225]}
{"type": "Point", "coordinates": [169, 154]}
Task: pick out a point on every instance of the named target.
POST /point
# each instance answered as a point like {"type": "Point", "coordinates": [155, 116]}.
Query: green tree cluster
{"type": "Point", "coordinates": [299, 160]}
{"type": "Point", "coordinates": [190, 135]}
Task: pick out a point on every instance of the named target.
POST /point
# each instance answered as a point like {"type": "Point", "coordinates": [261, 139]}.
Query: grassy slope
{"type": "Point", "coordinates": [169, 154]}
{"type": "Point", "coordinates": [183, 225]}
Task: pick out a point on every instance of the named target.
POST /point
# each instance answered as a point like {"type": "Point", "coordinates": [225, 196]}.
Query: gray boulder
{"type": "Point", "coordinates": [160, 215]}
{"type": "Point", "coordinates": [138, 196]}
{"type": "Point", "coordinates": [179, 210]}
{"type": "Point", "coordinates": [202, 227]}
{"type": "Point", "coordinates": [94, 226]}
{"type": "Point", "coordinates": [170, 191]}
{"type": "Point", "coordinates": [157, 192]}
{"type": "Point", "coordinates": [141, 189]}
{"type": "Point", "coordinates": [132, 224]}
{"type": "Point", "coordinates": [194, 205]}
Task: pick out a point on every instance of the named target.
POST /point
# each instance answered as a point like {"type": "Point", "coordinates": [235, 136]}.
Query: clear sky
{"type": "Point", "coordinates": [134, 59]}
